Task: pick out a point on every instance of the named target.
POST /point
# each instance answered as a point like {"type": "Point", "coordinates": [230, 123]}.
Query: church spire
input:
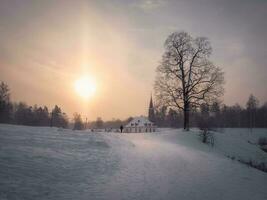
{"type": "Point", "coordinates": [151, 113]}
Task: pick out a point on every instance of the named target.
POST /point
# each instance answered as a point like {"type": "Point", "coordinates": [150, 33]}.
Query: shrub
{"type": "Point", "coordinates": [205, 131]}
{"type": "Point", "coordinates": [207, 137]}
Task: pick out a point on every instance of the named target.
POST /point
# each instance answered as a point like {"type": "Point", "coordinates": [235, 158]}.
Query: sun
{"type": "Point", "coordinates": [85, 87]}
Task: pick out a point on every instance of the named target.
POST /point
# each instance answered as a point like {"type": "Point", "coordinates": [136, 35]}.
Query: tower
{"type": "Point", "coordinates": [151, 113]}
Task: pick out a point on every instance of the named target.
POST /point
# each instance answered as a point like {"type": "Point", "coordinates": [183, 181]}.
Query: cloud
{"type": "Point", "coordinates": [148, 5]}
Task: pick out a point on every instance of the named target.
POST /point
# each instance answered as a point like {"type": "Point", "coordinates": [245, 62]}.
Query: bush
{"type": "Point", "coordinates": [205, 131]}
{"type": "Point", "coordinates": [207, 137]}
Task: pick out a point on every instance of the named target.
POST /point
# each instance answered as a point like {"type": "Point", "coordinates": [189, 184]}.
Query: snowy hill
{"type": "Point", "coordinates": [51, 163]}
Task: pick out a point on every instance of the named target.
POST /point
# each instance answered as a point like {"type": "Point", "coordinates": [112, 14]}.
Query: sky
{"type": "Point", "coordinates": [45, 46]}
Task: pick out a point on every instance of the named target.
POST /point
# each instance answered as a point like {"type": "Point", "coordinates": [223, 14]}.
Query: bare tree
{"type": "Point", "coordinates": [186, 77]}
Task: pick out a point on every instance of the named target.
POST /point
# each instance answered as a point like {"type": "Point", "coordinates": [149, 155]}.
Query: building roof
{"type": "Point", "coordinates": [139, 122]}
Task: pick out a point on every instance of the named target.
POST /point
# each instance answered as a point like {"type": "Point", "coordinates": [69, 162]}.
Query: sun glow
{"type": "Point", "coordinates": [85, 87]}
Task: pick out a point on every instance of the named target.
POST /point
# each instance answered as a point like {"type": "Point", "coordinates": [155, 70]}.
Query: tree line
{"type": "Point", "coordinates": [114, 123]}
{"type": "Point", "coordinates": [216, 115]}
{"type": "Point", "coordinates": [23, 114]}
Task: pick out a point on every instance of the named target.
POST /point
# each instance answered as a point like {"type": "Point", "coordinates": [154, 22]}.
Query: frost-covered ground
{"type": "Point", "coordinates": [50, 163]}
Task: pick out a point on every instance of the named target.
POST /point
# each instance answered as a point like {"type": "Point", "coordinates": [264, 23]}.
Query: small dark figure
{"type": "Point", "coordinates": [121, 128]}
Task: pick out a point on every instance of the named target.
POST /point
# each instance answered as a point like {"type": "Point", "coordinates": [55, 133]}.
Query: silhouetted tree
{"type": "Point", "coordinates": [21, 113]}
{"type": "Point", "coordinates": [261, 117]}
{"type": "Point", "coordinates": [78, 122]}
{"type": "Point", "coordinates": [41, 116]}
{"type": "Point", "coordinates": [185, 76]}
{"type": "Point", "coordinates": [5, 104]}
{"type": "Point", "coordinates": [160, 116]}
{"type": "Point", "coordinates": [173, 118]}
{"type": "Point", "coordinates": [252, 105]}
{"type": "Point", "coordinates": [215, 114]}
{"type": "Point", "coordinates": [99, 123]}
{"type": "Point", "coordinates": [58, 118]}
{"type": "Point", "coordinates": [110, 124]}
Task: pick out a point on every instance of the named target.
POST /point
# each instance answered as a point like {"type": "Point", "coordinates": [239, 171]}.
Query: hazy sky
{"type": "Point", "coordinates": [46, 45]}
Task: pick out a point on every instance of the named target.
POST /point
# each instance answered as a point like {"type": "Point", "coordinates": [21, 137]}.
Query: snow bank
{"type": "Point", "coordinates": [241, 144]}
{"type": "Point", "coordinates": [238, 143]}
{"type": "Point", "coordinates": [51, 163]}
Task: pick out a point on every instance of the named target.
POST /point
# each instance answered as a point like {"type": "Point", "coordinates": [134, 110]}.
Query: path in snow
{"type": "Point", "coordinates": [45, 163]}
{"type": "Point", "coordinates": [154, 168]}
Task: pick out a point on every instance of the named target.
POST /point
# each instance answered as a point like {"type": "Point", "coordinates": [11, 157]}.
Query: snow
{"type": "Point", "coordinates": [242, 144]}
{"type": "Point", "coordinates": [51, 163]}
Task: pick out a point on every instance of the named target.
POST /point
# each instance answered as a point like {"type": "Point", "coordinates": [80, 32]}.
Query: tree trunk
{"type": "Point", "coordinates": [186, 117]}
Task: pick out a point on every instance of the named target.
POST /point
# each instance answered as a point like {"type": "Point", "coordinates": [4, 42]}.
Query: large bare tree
{"type": "Point", "coordinates": [186, 77]}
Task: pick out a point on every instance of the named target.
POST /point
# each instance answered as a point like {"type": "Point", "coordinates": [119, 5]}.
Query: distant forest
{"type": "Point", "coordinates": [23, 114]}
{"type": "Point", "coordinates": [217, 115]}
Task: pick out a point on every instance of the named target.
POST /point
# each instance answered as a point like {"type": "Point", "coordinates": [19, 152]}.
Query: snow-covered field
{"type": "Point", "coordinates": [51, 163]}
